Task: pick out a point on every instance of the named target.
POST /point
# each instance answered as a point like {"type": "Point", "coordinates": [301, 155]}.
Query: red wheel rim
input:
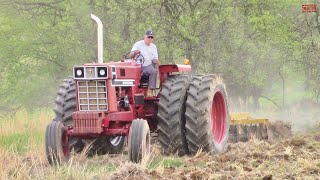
{"type": "Point", "coordinates": [218, 117]}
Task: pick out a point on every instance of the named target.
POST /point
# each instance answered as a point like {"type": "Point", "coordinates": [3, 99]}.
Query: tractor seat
{"type": "Point", "coordinates": [144, 81]}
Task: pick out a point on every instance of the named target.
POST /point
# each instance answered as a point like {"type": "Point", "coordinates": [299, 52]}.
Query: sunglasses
{"type": "Point", "coordinates": [150, 37]}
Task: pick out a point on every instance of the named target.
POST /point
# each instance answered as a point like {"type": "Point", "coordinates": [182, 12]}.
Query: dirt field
{"type": "Point", "coordinates": [297, 157]}
{"type": "Point", "coordinates": [22, 156]}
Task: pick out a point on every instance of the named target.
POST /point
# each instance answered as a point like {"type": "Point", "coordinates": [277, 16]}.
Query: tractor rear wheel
{"type": "Point", "coordinates": [65, 105]}
{"type": "Point", "coordinates": [207, 116]}
{"type": "Point", "coordinates": [57, 145]}
{"type": "Point", "coordinates": [139, 140]}
{"type": "Point", "coordinates": [171, 118]}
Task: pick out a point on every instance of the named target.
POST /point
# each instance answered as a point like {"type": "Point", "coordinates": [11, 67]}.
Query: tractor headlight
{"type": "Point", "coordinates": [102, 72]}
{"type": "Point", "coordinates": [79, 72]}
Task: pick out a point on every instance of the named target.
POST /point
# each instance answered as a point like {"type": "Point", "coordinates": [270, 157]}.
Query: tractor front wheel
{"type": "Point", "coordinates": [139, 140]}
{"type": "Point", "coordinates": [57, 143]}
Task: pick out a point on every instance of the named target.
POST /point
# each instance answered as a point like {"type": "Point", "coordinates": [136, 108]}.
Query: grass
{"type": "Point", "coordinates": [19, 142]}
{"type": "Point", "coordinates": [22, 155]}
{"type": "Point", "coordinates": [165, 162]}
{"type": "Point", "coordinates": [24, 130]}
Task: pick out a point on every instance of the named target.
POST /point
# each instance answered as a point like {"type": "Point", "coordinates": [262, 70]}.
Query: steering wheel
{"type": "Point", "coordinates": [138, 58]}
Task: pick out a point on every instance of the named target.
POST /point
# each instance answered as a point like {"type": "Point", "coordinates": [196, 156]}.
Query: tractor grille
{"type": "Point", "coordinates": [87, 122]}
{"type": "Point", "coordinates": [92, 96]}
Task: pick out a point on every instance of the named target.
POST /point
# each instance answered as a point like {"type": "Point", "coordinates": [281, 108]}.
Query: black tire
{"type": "Point", "coordinates": [139, 140]}
{"type": "Point", "coordinates": [65, 105]}
{"type": "Point", "coordinates": [57, 146]}
{"type": "Point", "coordinates": [171, 115]}
{"type": "Point", "coordinates": [207, 116]}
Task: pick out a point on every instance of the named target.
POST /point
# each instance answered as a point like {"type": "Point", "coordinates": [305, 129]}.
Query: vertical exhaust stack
{"type": "Point", "coordinates": [100, 38]}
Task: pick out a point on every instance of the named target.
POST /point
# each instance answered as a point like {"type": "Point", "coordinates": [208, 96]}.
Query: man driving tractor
{"type": "Point", "coordinates": [149, 51]}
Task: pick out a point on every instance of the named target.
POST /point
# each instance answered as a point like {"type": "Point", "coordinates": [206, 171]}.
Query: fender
{"type": "Point", "coordinates": [167, 69]}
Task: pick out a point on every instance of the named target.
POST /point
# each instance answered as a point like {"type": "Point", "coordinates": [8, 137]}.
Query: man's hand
{"type": "Point", "coordinates": [156, 62]}
{"type": "Point", "coordinates": [133, 53]}
{"type": "Point", "coordinates": [136, 52]}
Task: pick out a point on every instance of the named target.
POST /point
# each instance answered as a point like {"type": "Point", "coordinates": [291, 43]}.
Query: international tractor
{"type": "Point", "coordinates": [103, 105]}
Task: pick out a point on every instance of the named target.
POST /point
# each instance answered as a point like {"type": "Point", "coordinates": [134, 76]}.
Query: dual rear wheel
{"type": "Point", "coordinates": [193, 115]}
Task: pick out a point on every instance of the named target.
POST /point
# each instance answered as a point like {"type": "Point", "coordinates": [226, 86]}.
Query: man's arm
{"type": "Point", "coordinates": [135, 50]}
{"type": "Point", "coordinates": [156, 58]}
{"type": "Point", "coordinates": [133, 53]}
{"type": "Point", "coordinates": [156, 61]}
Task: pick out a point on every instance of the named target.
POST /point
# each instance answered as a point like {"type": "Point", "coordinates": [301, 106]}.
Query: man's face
{"type": "Point", "coordinates": [148, 39]}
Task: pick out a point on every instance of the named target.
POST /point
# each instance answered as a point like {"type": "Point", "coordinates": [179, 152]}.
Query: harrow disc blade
{"type": "Point", "coordinates": [245, 132]}
{"type": "Point", "coordinates": [244, 127]}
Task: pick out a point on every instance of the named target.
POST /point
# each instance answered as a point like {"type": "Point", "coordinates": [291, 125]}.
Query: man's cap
{"type": "Point", "coordinates": [149, 33]}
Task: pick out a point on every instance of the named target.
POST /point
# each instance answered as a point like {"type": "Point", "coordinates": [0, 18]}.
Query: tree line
{"type": "Point", "coordinates": [254, 45]}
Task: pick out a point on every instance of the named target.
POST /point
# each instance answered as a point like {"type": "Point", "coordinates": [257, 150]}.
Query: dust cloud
{"type": "Point", "coordinates": [302, 115]}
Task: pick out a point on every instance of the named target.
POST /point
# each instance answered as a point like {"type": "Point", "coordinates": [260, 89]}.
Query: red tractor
{"type": "Point", "coordinates": [104, 105]}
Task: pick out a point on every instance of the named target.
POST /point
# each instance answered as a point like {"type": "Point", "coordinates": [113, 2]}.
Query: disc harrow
{"type": "Point", "coordinates": [243, 127]}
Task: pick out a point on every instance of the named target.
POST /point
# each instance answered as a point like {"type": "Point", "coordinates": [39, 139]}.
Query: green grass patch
{"type": "Point", "coordinates": [82, 171]}
{"type": "Point", "coordinates": [20, 142]}
{"type": "Point", "coordinates": [201, 164]}
{"type": "Point", "coordinates": [165, 162]}
{"type": "Point", "coordinates": [16, 142]}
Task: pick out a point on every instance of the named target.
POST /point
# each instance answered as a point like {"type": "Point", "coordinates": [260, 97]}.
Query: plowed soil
{"type": "Point", "coordinates": [295, 157]}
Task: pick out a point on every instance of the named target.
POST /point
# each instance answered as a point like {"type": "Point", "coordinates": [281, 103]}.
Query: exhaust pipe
{"type": "Point", "coordinates": [100, 38]}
